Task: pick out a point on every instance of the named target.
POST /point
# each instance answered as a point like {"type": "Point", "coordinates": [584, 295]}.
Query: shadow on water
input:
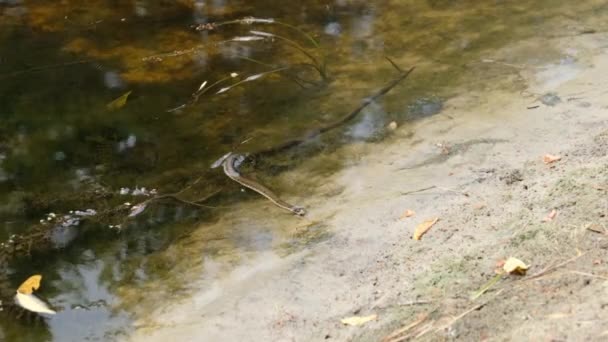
{"type": "Point", "coordinates": [62, 150]}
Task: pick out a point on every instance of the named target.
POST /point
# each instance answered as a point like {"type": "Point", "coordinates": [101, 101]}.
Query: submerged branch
{"type": "Point", "coordinates": [311, 134]}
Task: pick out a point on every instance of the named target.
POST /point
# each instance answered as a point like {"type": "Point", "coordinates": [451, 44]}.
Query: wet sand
{"type": "Point", "coordinates": [481, 157]}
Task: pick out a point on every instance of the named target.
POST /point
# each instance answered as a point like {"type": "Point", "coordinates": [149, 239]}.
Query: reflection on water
{"type": "Point", "coordinates": [64, 151]}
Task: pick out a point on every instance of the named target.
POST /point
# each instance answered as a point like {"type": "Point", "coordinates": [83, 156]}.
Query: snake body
{"type": "Point", "coordinates": [231, 162]}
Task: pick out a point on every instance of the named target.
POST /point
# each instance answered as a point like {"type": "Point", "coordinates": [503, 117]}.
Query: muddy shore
{"type": "Point", "coordinates": [481, 159]}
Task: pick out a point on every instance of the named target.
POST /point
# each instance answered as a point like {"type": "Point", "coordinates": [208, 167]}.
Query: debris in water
{"type": "Point", "coordinates": [27, 300]}
{"type": "Point", "coordinates": [137, 209]}
{"type": "Point", "coordinates": [32, 303]}
{"type": "Point", "coordinates": [30, 284]}
{"type": "Point", "coordinates": [119, 102]}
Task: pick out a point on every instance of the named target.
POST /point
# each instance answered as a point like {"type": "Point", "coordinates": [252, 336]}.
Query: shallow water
{"type": "Point", "coordinates": [63, 148]}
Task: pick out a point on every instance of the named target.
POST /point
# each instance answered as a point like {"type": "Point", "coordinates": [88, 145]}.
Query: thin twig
{"type": "Point", "coordinates": [320, 130]}
{"type": "Point", "coordinates": [465, 194]}
{"type": "Point", "coordinates": [459, 317]}
{"type": "Point", "coordinates": [588, 274]}
{"type": "Point", "coordinates": [419, 190]}
{"type": "Point", "coordinates": [393, 64]}
{"type": "Point", "coordinates": [395, 336]}
{"type": "Point", "coordinates": [552, 268]}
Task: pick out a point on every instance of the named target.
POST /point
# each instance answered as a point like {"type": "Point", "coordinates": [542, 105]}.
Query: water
{"type": "Point", "coordinates": [63, 148]}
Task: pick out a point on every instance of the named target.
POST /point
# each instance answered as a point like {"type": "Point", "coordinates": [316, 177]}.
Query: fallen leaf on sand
{"type": "Point", "coordinates": [358, 320]}
{"type": "Point", "coordinates": [550, 216]}
{"type": "Point", "coordinates": [407, 213]}
{"type": "Point", "coordinates": [549, 158]}
{"type": "Point", "coordinates": [515, 266]}
{"type": "Point", "coordinates": [422, 228]}
{"type": "Point", "coordinates": [30, 284]}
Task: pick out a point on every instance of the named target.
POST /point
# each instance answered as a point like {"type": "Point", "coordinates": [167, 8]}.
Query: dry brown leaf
{"type": "Point", "coordinates": [30, 284]}
{"type": "Point", "coordinates": [422, 228]}
{"type": "Point", "coordinates": [407, 213]}
{"type": "Point", "coordinates": [515, 266]}
{"type": "Point", "coordinates": [358, 320]}
{"type": "Point", "coordinates": [550, 216]}
{"type": "Point", "coordinates": [550, 158]}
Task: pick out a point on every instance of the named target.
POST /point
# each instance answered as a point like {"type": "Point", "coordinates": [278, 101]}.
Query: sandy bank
{"type": "Point", "coordinates": [483, 157]}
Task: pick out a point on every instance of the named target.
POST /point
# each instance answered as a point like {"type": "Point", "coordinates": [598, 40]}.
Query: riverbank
{"type": "Point", "coordinates": [481, 163]}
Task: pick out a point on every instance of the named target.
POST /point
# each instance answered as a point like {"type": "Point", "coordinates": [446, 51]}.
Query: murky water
{"type": "Point", "coordinates": [195, 92]}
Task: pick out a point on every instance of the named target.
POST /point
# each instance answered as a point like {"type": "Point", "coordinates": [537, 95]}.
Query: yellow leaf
{"type": "Point", "coordinates": [119, 102]}
{"type": "Point", "coordinates": [32, 283]}
{"type": "Point", "coordinates": [514, 265]}
{"type": "Point", "coordinates": [422, 228]}
{"type": "Point", "coordinates": [358, 320]}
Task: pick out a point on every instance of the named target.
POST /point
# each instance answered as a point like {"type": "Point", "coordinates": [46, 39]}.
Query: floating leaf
{"type": "Point", "coordinates": [358, 320]}
{"type": "Point", "coordinates": [422, 228]}
{"type": "Point", "coordinates": [549, 158]}
{"type": "Point", "coordinates": [515, 266]}
{"type": "Point", "coordinates": [30, 284]}
{"type": "Point", "coordinates": [407, 213]}
{"type": "Point", "coordinates": [137, 209]}
{"type": "Point", "coordinates": [119, 102]}
{"type": "Point", "coordinates": [32, 303]}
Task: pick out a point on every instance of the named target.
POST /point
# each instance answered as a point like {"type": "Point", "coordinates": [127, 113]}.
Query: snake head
{"type": "Point", "coordinates": [298, 211]}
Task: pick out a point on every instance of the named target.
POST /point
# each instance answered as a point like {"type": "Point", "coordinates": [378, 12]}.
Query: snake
{"type": "Point", "coordinates": [231, 162]}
